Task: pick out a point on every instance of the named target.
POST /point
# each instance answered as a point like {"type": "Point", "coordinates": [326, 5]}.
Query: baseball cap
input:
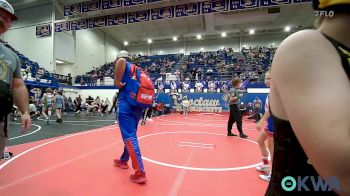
{"type": "Point", "coordinates": [123, 54]}
{"type": "Point", "coordinates": [4, 5]}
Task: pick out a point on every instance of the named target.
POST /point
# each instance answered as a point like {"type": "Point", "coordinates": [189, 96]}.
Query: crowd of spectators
{"type": "Point", "coordinates": [202, 67]}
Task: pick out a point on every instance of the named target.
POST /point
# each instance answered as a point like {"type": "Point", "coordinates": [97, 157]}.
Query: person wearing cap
{"type": "Point", "coordinates": [12, 87]}
{"type": "Point", "coordinates": [128, 119]}
{"type": "Point", "coordinates": [310, 69]}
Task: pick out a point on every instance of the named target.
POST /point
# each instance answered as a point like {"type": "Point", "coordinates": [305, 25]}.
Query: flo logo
{"type": "Point", "coordinates": [325, 13]}
{"type": "Point", "coordinates": [289, 183]}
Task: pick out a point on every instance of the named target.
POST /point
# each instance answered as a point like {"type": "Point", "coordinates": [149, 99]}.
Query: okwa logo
{"type": "Point", "coordinates": [147, 97]}
{"type": "Point", "coordinates": [330, 183]}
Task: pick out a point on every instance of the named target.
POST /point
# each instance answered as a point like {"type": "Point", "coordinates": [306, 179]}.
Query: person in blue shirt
{"type": "Point", "coordinates": [128, 120]}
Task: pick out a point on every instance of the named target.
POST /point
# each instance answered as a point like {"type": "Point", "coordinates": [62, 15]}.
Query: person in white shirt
{"type": "Point", "coordinates": [199, 86]}
{"type": "Point", "coordinates": [185, 87]}
{"type": "Point", "coordinates": [185, 105]}
{"type": "Point", "coordinates": [212, 86]}
{"type": "Point", "coordinates": [173, 86]}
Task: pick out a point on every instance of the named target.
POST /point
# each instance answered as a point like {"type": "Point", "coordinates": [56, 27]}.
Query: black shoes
{"type": "Point", "coordinates": [242, 135]}
{"type": "Point", "coordinates": [231, 134]}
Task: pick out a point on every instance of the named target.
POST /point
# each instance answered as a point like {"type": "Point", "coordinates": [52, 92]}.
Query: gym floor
{"type": "Point", "coordinates": [182, 155]}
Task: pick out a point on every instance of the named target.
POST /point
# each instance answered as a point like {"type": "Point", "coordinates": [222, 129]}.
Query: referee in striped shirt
{"type": "Point", "coordinates": [235, 114]}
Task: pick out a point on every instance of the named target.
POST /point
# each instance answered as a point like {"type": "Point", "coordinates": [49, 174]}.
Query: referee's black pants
{"type": "Point", "coordinates": [235, 117]}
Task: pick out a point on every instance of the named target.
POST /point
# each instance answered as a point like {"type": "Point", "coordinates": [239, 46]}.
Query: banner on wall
{"type": "Point", "coordinates": [202, 102]}
{"type": "Point", "coordinates": [209, 6]}
{"type": "Point", "coordinates": [43, 30]}
{"type": "Point", "coordinates": [62, 26]}
{"type": "Point", "coordinates": [109, 4]}
{"type": "Point", "coordinates": [117, 19]}
{"type": "Point", "coordinates": [162, 13]}
{"type": "Point", "coordinates": [214, 6]}
{"type": "Point", "coordinates": [140, 16]}
{"type": "Point", "coordinates": [133, 2]}
{"type": "Point", "coordinates": [78, 25]}
{"type": "Point", "coordinates": [243, 4]}
{"type": "Point", "coordinates": [72, 9]}
{"type": "Point", "coordinates": [90, 6]}
{"type": "Point", "coordinates": [205, 102]}
{"type": "Point", "coordinates": [191, 9]}
{"type": "Point", "coordinates": [97, 22]}
{"type": "Point", "coordinates": [265, 3]}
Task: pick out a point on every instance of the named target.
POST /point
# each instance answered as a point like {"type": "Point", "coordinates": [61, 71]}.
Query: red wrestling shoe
{"type": "Point", "coordinates": [121, 164]}
{"type": "Point", "coordinates": [139, 178]}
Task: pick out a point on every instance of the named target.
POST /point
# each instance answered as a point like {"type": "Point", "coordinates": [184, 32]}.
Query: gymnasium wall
{"type": "Point", "coordinates": [91, 48]}
{"type": "Point", "coordinates": [22, 35]}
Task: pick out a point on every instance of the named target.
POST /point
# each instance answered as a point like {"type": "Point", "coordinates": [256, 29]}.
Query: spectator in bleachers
{"type": "Point", "coordinates": [209, 71]}
{"type": "Point", "coordinates": [177, 73]}
{"type": "Point", "coordinates": [193, 73]}
{"type": "Point", "coordinates": [160, 87]}
{"type": "Point", "coordinates": [224, 87]}
{"type": "Point", "coordinates": [185, 86]}
{"type": "Point", "coordinates": [212, 86]}
{"type": "Point", "coordinates": [199, 86]}
{"type": "Point", "coordinates": [173, 86]}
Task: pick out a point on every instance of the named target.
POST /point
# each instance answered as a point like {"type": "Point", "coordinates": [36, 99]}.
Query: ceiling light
{"type": "Point", "coordinates": [161, 52]}
{"type": "Point", "coordinates": [149, 41]}
{"type": "Point", "coordinates": [59, 62]}
{"type": "Point", "coordinates": [174, 38]}
{"type": "Point", "coordinates": [223, 34]}
{"type": "Point", "coordinates": [287, 28]}
{"type": "Point", "coordinates": [199, 36]}
{"type": "Point", "coordinates": [251, 31]}
{"type": "Point", "coordinates": [202, 49]}
{"type": "Point", "coordinates": [126, 43]}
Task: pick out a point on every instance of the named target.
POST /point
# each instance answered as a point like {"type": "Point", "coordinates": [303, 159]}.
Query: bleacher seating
{"type": "Point", "coordinates": [157, 66]}
{"type": "Point", "coordinates": [217, 67]}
